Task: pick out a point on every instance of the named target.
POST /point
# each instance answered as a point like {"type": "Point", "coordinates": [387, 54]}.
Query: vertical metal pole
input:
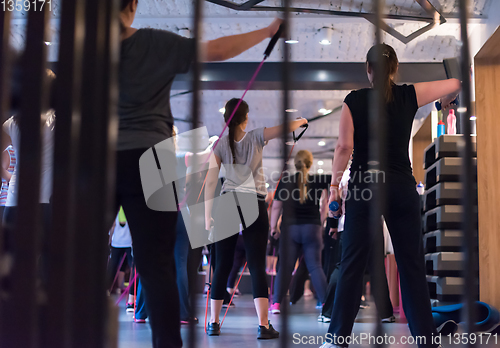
{"type": "Point", "coordinates": [469, 222]}
{"type": "Point", "coordinates": [95, 177]}
{"type": "Point", "coordinates": [57, 332]}
{"type": "Point", "coordinates": [5, 56]}
{"type": "Point", "coordinates": [197, 68]}
{"type": "Point", "coordinates": [22, 327]}
{"type": "Point", "coordinates": [378, 146]}
{"type": "Point", "coordinates": [285, 250]}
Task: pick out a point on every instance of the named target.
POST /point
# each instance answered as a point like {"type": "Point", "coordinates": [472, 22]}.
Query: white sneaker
{"type": "Point", "coordinates": [391, 319]}
{"type": "Point", "coordinates": [329, 345]}
{"type": "Point", "coordinates": [323, 319]}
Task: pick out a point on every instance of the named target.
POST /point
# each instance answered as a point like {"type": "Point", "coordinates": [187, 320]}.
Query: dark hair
{"type": "Point", "coordinates": [123, 6]}
{"type": "Point", "coordinates": [385, 55]}
{"type": "Point", "coordinates": [238, 118]}
{"type": "Point", "coordinates": [125, 3]}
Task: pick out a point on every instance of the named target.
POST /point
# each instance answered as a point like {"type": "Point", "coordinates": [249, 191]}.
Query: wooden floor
{"type": "Point", "coordinates": [240, 328]}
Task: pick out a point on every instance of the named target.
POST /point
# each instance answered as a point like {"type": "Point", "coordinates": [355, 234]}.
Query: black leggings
{"type": "Point", "coordinates": [154, 234]}
{"type": "Point", "coordinates": [404, 221]}
{"type": "Point", "coordinates": [239, 261]}
{"type": "Point", "coordinates": [255, 238]}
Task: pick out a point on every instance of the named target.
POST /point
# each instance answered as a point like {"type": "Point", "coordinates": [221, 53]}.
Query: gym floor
{"type": "Point", "coordinates": [240, 327]}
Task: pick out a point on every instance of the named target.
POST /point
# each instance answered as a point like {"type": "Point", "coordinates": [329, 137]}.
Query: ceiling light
{"type": "Point", "coordinates": [267, 185]}
{"type": "Point", "coordinates": [48, 43]}
{"type": "Point", "coordinates": [325, 36]}
{"type": "Point", "coordinates": [222, 110]}
{"type": "Point", "coordinates": [321, 143]}
{"type": "Point", "coordinates": [320, 163]}
{"type": "Point", "coordinates": [320, 171]}
{"type": "Point", "coordinates": [324, 111]}
{"type": "Point", "coordinates": [292, 42]}
{"type": "Point", "coordinates": [473, 118]}
{"type": "Point", "coordinates": [291, 110]}
{"type": "Point", "coordinates": [462, 109]}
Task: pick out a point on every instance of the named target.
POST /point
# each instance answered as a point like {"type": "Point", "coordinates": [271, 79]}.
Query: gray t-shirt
{"type": "Point", "coordinates": [149, 61]}
{"type": "Point", "coordinates": [248, 160]}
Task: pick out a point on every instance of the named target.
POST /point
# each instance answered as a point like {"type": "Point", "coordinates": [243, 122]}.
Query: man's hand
{"type": "Point", "coordinates": [274, 26]}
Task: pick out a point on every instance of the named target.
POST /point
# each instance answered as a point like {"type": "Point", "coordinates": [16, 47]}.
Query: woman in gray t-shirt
{"type": "Point", "coordinates": [241, 154]}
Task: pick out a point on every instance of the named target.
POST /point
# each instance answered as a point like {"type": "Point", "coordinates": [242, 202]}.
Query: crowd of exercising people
{"type": "Point", "coordinates": [335, 257]}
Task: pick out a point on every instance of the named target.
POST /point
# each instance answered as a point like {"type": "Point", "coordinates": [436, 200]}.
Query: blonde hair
{"type": "Point", "coordinates": [303, 162]}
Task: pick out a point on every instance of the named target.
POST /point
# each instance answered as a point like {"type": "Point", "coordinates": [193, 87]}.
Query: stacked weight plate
{"type": "Point", "coordinates": [442, 217]}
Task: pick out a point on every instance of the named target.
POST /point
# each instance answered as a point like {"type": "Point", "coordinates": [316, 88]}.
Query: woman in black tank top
{"type": "Point", "coordinates": [402, 213]}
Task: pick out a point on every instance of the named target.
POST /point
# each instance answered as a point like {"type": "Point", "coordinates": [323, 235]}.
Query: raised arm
{"type": "Point", "coordinates": [446, 90]}
{"type": "Point", "coordinates": [211, 184]}
{"type": "Point", "coordinates": [277, 131]}
{"type": "Point", "coordinates": [231, 46]}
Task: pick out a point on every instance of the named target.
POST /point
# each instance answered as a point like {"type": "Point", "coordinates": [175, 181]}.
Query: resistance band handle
{"type": "Point", "coordinates": [273, 42]}
{"type": "Point", "coordinates": [305, 126]}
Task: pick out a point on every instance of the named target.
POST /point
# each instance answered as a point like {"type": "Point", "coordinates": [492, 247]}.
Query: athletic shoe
{"type": "Point", "coordinates": [391, 319]}
{"type": "Point", "coordinates": [329, 345]}
{"type": "Point", "coordinates": [323, 319]}
{"type": "Point", "coordinates": [449, 327]}
{"type": "Point", "coordinates": [130, 307]}
{"type": "Point", "coordinates": [237, 293]}
{"type": "Point", "coordinates": [188, 321]}
{"type": "Point", "coordinates": [275, 308]}
{"type": "Point", "coordinates": [140, 321]}
{"type": "Point", "coordinates": [267, 334]}
{"type": "Point", "coordinates": [213, 329]}
{"type": "Point", "coordinates": [364, 304]}
{"type": "Point", "coordinates": [319, 305]}
{"type": "Point", "coordinates": [225, 304]}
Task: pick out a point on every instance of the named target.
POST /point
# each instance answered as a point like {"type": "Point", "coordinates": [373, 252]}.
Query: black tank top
{"type": "Point", "coordinates": [400, 114]}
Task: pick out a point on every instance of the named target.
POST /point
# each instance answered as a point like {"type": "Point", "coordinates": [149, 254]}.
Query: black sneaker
{"type": "Point", "coordinates": [227, 299]}
{"type": "Point", "coordinates": [213, 329]}
{"type": "Point", "coordinates": [267, 334]}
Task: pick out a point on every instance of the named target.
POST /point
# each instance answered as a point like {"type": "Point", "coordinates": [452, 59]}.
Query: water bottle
{"type": "Point", "coordinates": [420, 188]}
{"type": "Point", "coordinates": [452, 123]}
{"type": "Point", "coordinates": [334, 207]}
{"type": "Point", "coordinates": [441, 128]}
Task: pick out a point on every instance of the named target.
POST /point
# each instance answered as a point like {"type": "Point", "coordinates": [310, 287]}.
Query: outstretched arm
{"type": "Point", "coordinates": [446, 90]}
{"type": "Point", "coordinates": [228, 47]}
{"type": "Point", "coordinates": [277, 131]}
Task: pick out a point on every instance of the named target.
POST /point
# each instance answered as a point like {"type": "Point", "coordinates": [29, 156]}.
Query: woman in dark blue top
{"type": "Point", "coordinates": [403, 203]}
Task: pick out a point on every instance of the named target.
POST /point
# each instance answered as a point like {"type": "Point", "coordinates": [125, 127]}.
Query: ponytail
{"type": "Point", "coordinates": [239, 117]}
{"type": "Point", "coordinates": [303, 162]}
{"type": "Point", "coordinates": [386, 56]}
